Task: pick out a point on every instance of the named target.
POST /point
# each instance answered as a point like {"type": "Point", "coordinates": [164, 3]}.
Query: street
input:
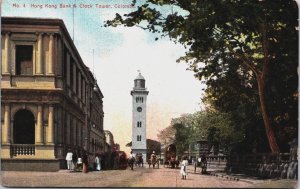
{"type": "Point", "coordinates": [139, 177]}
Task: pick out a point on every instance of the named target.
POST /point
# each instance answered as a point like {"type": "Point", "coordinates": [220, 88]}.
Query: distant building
{"type": "Point", "coordinates": [110, 141]}
{"type": "Point", "coordinates": [139, 99]}
{"type": "Point", "coordinates": [50, 101]}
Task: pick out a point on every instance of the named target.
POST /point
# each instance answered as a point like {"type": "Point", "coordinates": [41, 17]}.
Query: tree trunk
{"type": "Point", "coordinates": [269, 130]}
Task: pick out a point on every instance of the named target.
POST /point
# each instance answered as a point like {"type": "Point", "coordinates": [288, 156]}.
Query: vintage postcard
{"type": "Point", "coordinates": [149, 93]}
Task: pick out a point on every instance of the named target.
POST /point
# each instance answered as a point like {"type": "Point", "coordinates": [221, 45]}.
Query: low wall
{"type": "Point", "coordinates": [30, 165]}
{"type": "Point", "coordinates": [217, 162]}
{"type": "Point", "coordinates": [264, 165]}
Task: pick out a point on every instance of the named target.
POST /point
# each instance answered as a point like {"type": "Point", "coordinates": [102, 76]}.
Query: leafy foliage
{"type": "Point", "coordinates": [245, 51]}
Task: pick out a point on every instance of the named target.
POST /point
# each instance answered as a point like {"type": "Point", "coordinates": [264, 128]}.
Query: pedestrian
{"type": "Point", "coordinates": [104, 162]}
{"type": "Point", "coordinates": [85, 162]}
{"type": "Point", "coordinates": [203, 164]}
{"type": "Point", "coordinates": [98, 162]}
{"type": "Point", "coordinates": [79, 164]}
{"type": "Point", "coordinates": [112, 160]}
{"type": "Point", "coordinates": [69, 159]}
{"type": "Point", "coordinates": [74, 160]}
{"type": "Point", "coordinates": [153, 155]}
{"type": "Point", "coordinates": [183, 169]}
{"type": "Point", "coordinates": [116, 162]}
{"type": "Point", "coordinates": [199, 160]}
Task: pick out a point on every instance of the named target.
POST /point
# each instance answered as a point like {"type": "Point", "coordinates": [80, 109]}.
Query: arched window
{"type": "Point", "coordinates": [23, 128]}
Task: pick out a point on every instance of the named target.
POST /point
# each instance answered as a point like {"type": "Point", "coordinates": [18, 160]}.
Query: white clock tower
{"type": "Point", "coordinates": [139, 99]}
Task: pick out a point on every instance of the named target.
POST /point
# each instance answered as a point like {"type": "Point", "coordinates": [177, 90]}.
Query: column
{"type": "Point", "coordinates": [50, 54]}
{"type": "Point", "coordinates": [39, 64]}
{"type": "Point", "coordinates": [83, 91]}
{"type": "Point", "coordinates": [68, 70]}
{"type": "Point", "coordinates": [6, 61]}
{"type": "Point", "coordinates": [68, 129]}
{"type": "Point", "coordinates": [50, 125]}
{"type": "Point", "coordinates": [79, 85]}
{"type": "Point", "coordinates": [74, 78]}
{"type": "Point", "coordinates": [39, 126]}
{"type": "Point", "coordinates": [79, 135]}
{"type": "Point", "coordinates": [60, 125]}
{"type": "Point", "coordinates": [59, 63]}
{"type": "Point", "coordinates": [6, 126]}
{"type": "Point", "coordinates": [74, 131]}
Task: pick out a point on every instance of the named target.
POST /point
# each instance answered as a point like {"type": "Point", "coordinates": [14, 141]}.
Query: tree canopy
{"type": "Point", "coordinates": [243, 50]}
{"type": "Point", "coordinates": [214, 126]}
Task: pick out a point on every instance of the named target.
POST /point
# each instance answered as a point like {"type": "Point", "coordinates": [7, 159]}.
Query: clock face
{"type": "Point", "coordinates": [139, 109]}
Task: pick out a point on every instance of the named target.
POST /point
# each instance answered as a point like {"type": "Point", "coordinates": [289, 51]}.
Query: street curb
{"type": "Point", "coordinates": [228, 177]}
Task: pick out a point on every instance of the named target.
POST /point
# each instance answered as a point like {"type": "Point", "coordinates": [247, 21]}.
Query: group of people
{"type": "Point", "coordinates": [77, 161]}
{"type": "Point", "coordinates": [73, 160]}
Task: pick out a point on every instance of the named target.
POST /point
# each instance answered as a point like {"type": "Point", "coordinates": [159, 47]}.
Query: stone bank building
{"type": "Point", "coordinates": [50, 101]}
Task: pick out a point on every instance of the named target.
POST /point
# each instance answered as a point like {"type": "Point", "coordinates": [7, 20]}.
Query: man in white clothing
{"type": "Point", "coordinates": [183, 169]}
{"type": "Point", "coordinates": [69, 159]}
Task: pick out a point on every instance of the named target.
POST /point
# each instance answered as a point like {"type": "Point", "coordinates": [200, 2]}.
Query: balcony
{"type": "Point", "coordinates": [22, 149]}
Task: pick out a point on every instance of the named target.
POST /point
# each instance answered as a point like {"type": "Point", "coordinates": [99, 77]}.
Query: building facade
{"type": "Point", "coordinates": [139, 98]}
{"type": "Point", "coordinates": [50, 101]}
{"type": "Point", "coordinates": [97, 135]}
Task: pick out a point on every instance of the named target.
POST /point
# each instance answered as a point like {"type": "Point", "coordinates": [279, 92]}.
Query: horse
{"type": "Point", "coordinates": [131, 161]}
{"type": "Point", "coordinates": [153, 161]}
{"type": "Point", "coordinates": [173, 162]}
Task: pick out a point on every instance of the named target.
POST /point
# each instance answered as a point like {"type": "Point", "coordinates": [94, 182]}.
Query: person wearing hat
{"type": "Point", "coordinates": [153, 158]}
{"type": "Point", "coordinates": [183, 170]}
{"type": "Point", "coordinates": [153, 154]}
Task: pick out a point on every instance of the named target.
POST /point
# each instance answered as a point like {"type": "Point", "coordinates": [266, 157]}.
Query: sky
{"type": "Point", "coordinates": [118, 55]}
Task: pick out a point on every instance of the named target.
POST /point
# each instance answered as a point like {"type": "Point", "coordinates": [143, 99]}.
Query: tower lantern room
{"type": "Point", "coordinates": [139, 82]}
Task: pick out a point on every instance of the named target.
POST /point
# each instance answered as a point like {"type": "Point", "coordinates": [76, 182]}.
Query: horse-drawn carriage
{"type": "Point", "coordinates": [170, 156]}
{"type": "Point", "coordinates": [173, 163]}
{"type": "Point", "coordinates": [119, 160]}
{"type": "Point", "coordinates": [139, 160]}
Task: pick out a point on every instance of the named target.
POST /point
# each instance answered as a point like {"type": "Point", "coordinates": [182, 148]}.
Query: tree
{"type": "Point", "coordinates": [251, 35]}
{"type": "Point", "coordinates": [181, 138]}
{"type": "Point", "coordinates": [213, 125]}
{"type": "Point", "coordinates": [167, 135]}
